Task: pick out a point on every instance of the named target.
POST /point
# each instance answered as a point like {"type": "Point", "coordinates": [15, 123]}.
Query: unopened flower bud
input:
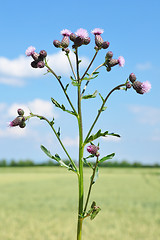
{"type": "Point", "coordinates": [108, 69]}
{"type": "Point", "coordinates": [109, 55]}
{"type": "Point", "coordinates": [57, 43]}
{"type": "Point", "coordinates": [22, 124]}
{"type": "Point", "coordinates": [72, 37]}
{"type": "Point", "coordinates": [17, 121]}
{"type": "Point", "coordinates": [98, 40]}
{"type": "Point", "coordinates": [40, 64]}
{"type": "Point", "coordinates": [93, 149]}
{"type": "Point", "coordinates": [105, 45]}
{"type": "Point", "coordinates": [132, 77]}
{"type": "Point", "coordinates": [34, 64]}
{"type": "Point", "coordinates": [20, 112]}
{"type": "Point", "coordinates": [78, 41]}
{"type": "Point", "coordinates": [66, 50]}
{"type": "Point", "coordinates": [43, 54]}
{"type": "Point", "coordinates": [128, 85]}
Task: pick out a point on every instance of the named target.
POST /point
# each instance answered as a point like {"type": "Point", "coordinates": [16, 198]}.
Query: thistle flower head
{"type": "Point", "coordinates": [97, 31]}
{"type": "Point", "coordinates": [66, 32]}
{"type": "Point", "coordinates": [121, 61]}
{"type": "Point", "coordinates": [82, 33]}
{"type": "Point", "coordinates": [30, 50]}
{"type": "Point", "coordinates": [141, 87]}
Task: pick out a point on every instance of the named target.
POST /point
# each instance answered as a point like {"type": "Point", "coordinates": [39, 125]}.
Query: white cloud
{"type": "Point", "coordinates": [12, 81]}
{"type": "Point", "coordinates": [67, 141]}
{"type": "Point", "coordinates": [13, 70]}
{"type": "Point", "coordinates": [144, 66]}
{"type": "Point", "coordinates": [110, 138]}
{"type": "Point", "coordinates": [146, 114]}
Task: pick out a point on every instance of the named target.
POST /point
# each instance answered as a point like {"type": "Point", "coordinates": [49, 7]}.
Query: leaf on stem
{"type": "Point", "coordinates": [88, 163]}
{"type": "Point", "coordinates": [110, 156]}
{"type": "Point", "coordinates": [58, 133]}
{"type": "Point", "coordinates": [100, 134]}
{"type": "Point", "coordinates": [95, 176]}
{"type": "Point", "coordinates": [94, 210]}
{"type": "Point", "coordinates": [90, 95]}
{"type": "Point", "coordinates": [61, 106]}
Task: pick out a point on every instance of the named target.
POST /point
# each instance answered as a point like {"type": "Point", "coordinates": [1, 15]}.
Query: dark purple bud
{"type": "Point", "coordinates": [109, 55]}
{"type": "Point", "coordinates": [72, 37]}
{"type": "Point", "coordinates": [34, 64]}
{"type": "Point", "coordinates": [132, 77]}
{"type": "Point", "coordinates": [40, 64]}
{"type": "Point", "coordinates": [17, 121]}
{"type": "Point", "coordinates": [43, 54]}
{"type": "Point", "coordinates": [128, 85]}
{"type": "Point", "coordinates": [66, 50]}
{"type": "Point", "coordinates": [105, 45]}
{"type": "Point", "coordinates": [20, 112]}
{"type": "Point", "coordinates": [57, 43]}
{"type": "Point", "coordinates": [108, 69]}
{"type": "Point", "coordinates": [87, 41]}
{"type": "Point", "coordinates": [22, 124]}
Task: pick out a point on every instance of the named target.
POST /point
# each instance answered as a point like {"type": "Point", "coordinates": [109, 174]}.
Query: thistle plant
{"type": "Point", "coordinates": [86, 208]}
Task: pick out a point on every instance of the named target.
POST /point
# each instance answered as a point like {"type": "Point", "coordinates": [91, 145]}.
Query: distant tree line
{"type": "Point", "coordinates": [30, 163]}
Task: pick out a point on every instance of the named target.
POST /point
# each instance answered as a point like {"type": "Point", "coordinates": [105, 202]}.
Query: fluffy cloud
{"type": "Point", "coordinates": [146, 114]}
{"type": "Point", "coordinates": [14, 70]}
{"type": "Point", "coordinates": [144, 66]}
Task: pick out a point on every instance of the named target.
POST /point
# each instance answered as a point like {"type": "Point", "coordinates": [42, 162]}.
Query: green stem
{"type": "Point", "coordinates": [90, 64]}
{"type": "Point", "coordinates": [90, 187]}
{"type": "Point", "coordinates": [51, 125]}
{"type": "Point", "coordinates": [71, 65]}
{"type": "Point", "coordinates": [81, 148]}
{"type": "Point", "coordinates": [61, 87]}
{"type": "Point", "coordinates": [91, 76]}
{"type": "Point", "coordinates": [101, 109]}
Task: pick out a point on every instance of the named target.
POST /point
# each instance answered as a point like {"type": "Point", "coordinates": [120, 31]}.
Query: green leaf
{"type": "Point", "coordinates": [66, 87]}
{"type": "Point", "coordinates": [90, 95]}
{"type": "Point", "coordinates": [58, 133]}
{"type": "Point", "coordinates": [61, 106]}
{"type": "Point", "coordinates": [55, 103]}
{"type": "Point", "coordinates": [100, 134]}
{"type": "Point", "coordinates": [101, 97]}
{"type": "Point", "coordinates": [94, 213]}
{"type": "Point", "coordinates": [110, 156]}
{"type": "Point", "coordinates": [95, 73]}
{"type": "Point", "coordinates": [75, 83]}
{"type": "Point", "coordinates": [79, 61]}
{"type": "Point", "coordinates": [46, 151]}
{"type": "Point", "coordinates": [89, 78]}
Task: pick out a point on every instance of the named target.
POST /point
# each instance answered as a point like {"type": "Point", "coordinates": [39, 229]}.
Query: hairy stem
{"type": "Point", "coordinates": [101, 109]}
{"type": "Point", "coordinates": [90, 186]}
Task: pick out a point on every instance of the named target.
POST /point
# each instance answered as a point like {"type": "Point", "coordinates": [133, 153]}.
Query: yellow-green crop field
{"type": "Point", "coordinates": [40, 203]}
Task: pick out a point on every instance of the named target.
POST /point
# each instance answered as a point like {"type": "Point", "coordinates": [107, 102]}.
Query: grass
{"type": "Point", "coordinates": [40, 203]}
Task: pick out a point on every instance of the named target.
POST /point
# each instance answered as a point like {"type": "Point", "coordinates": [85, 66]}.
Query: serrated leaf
{"type": "Point", "coordinates": [61, 106]}
{"type": "Point", "coordinates": [46, 151]}
{"type": "Point", "coordinates": [90, 95]}
{"type": "Point", "coordinates": [110, 156]}
{"type": "Point", "coordinates": [97, 135]}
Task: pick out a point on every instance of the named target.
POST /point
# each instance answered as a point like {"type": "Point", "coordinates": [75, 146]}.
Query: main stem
{"type": "Point", "coordinates": [81, 148]}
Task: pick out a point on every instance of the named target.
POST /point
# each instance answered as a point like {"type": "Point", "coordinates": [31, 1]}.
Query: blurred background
{"type": "Point", "coordinates": [131, 27]}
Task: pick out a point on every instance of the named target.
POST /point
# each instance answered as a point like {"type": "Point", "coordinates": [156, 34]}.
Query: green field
{"type": "Point", "coordinates": [40, 203]}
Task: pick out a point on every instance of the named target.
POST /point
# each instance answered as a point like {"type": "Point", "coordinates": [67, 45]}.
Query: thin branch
{"type": "Point", "coordinates": [101, 109]}
{"type": "Point", "coordinates": [71, 65]}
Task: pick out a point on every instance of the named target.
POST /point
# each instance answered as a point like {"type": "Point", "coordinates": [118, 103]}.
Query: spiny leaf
{"type": "Point", "coordinates": [90, 95]}
{"type": "Point", "coordinates": [110, 156]}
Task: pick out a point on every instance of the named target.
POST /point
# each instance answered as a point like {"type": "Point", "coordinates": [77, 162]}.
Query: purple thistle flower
{"type": "Point", "coordinates": [66, 32]}
{"type": "Point", "coordinates": [141, 87]}
{"type": "Point", "coordinates": [18, 121]}
{"type": "Point", "coordinates": [97, 31]}
{"type": "Point", "coordinates": [93, 149]}
{"type": "Point", "coordinates": [82, 33]}
{"type": "Point", "coordinates": [121, 61]}
{"type": "Point", "coordinates": [30, 50]}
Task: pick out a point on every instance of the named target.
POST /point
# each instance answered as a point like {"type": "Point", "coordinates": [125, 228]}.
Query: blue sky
{"type": "Point", "coordinates": [131, 27]}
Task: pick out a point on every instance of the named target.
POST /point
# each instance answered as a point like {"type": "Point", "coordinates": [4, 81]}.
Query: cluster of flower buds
{"type": "Point", "coordinates": [38, 57]}
{"type": "Point", "coordinates": [93, 150]}
{"type": "Point", "coordinates": [140, 87]}
{"type": "Point", "coordinates": [110, 62]}
{"type": "Point", "coordinates": [100, 43]}
{"type": "Point", "coordinates": [65, 41]}
{"type": "Point", "coordinates": [19, 120]}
